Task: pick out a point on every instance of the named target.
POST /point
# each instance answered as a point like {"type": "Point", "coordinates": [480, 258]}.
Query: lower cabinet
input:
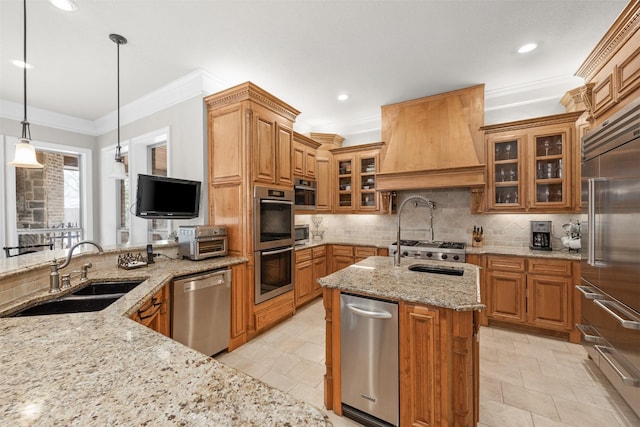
{"type": "Point", "coordinates": [154, 313]}
{"type": "Point", "coordinates": [310, 265]}
{"type": "Point", "coordinates": [439, 361]}
{"type": "Point", "coordinates": [529, 291]}
{"type": "Point", "coordinates": [344, 255]}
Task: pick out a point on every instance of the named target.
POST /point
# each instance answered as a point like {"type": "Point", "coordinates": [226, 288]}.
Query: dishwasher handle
{"type": "Point", "coordinates": [369, 313]}
{"type": "Point", "coordinates": [205, 281]}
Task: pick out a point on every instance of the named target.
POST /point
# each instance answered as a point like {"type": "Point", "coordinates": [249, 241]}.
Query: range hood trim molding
{"type": "Point", "coordinates": [459, 177]}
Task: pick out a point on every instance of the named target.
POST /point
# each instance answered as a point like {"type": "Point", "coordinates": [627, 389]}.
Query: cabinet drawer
{"type": "Point", "coordinates": [339, 250]}
{"type": "Point", "coordinates": [319, 251]}
{"type": "Point", "coordinates": [549, 266]}
{"type": "Point", "coordinates": [303, 255]}
{"type": "Point", "coordinates": [364, 252]}
{"type": "Point", "coordinates": [506, 263]}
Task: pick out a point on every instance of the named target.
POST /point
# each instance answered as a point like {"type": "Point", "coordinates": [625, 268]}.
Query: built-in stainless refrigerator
{"type": "Point", "coordinates": [610, 267]}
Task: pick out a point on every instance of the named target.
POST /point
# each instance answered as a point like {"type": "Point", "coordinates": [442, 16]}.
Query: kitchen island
{"type": "Point", "coordinates": [102, 368]}
{"type": "Point", "coordinates": [438, 345]}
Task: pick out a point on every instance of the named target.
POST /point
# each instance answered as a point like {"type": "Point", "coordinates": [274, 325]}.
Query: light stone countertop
{"type": "Point", "coordinates": [101, 368]}
{"type": "Point", "coordinates": [377, 276]}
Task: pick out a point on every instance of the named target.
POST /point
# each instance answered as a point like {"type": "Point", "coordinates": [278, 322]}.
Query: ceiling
{"type": "Point", "coordinates": [305, 52]}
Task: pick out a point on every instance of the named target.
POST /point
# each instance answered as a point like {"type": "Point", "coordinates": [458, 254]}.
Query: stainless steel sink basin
{"type": "Point", "coordinates": [107, 288]}
{"type": "Point", "coordinates": [424, 268]}
{"type": "Point", "coordinates": [70, 304]}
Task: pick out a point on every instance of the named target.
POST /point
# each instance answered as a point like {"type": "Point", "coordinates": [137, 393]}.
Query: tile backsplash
{"type": "Point", "coordinates": [452, 221]}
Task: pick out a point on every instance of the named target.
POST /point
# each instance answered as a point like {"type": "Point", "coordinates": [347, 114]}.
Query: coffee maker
{"type": "Point", "coordinates": [540, 235]}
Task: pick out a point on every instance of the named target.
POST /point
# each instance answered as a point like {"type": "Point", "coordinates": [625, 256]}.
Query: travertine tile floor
{"type": "Point", "coordinates": [526, 380]}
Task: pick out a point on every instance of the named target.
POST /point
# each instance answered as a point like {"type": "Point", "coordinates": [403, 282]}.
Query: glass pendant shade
{"type": "Point", "coordinates": [118, 171]}
{"type": "Point", "coordinates": [25, 156]}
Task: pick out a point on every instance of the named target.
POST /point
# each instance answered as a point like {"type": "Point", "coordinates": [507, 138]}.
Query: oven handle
{"type": "Point", "coordinates": [606, 305]}
{"type": "Point", "coordinates": [276, 202]}
{"type": "Point", "coordinates": [277, 251]}
{"type": "Point", "coordinates": [605, 352]}
{"type": "Point", "coordinates": [588, 292]}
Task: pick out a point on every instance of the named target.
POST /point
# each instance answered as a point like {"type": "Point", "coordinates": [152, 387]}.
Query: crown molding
{"type": "Point", "coordinates": [196, 83]}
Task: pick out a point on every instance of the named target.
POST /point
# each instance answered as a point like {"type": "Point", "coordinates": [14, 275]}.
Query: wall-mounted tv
{"type": "Point", "coordinates": [168, 198]}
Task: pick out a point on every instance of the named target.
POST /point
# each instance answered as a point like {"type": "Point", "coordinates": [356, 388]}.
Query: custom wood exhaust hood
{"type": "Point", "coordinates": [434, 142]}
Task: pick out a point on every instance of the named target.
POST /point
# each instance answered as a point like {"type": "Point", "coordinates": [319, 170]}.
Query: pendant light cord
{"type": "Point", "coordinates": [26, 132]}
{"type": "Point", "coordinates": [118, 40]}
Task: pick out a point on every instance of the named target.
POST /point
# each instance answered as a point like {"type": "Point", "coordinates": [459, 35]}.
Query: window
{"type": "Point", "coordinates": [48, 210]}
{"type": "Point", "coordinates": [123, 203]}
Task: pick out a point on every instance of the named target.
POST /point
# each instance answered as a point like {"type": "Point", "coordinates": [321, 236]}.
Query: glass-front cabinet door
{"type": "Point", "coordinates": [345, 184]}
{"type": "Point", "coordinates": [549, 170]}
{"type": "Point", "coordinates": [506, 173]}
{"type": "Point", "coordinates": [367, 199]}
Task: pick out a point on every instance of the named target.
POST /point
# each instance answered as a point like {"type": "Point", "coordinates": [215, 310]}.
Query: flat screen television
{"type": "Point", "coordinates": [167, 198]}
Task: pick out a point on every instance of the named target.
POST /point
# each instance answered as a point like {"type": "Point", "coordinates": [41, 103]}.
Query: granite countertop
{"type": "Point", "coordinates": [377, 276]}
{"type": "Point", "coordinates": [102, 368]}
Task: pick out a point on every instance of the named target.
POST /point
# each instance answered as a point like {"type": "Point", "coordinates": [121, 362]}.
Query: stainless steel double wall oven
{"type": "Point", "coordinates": [274, 241]}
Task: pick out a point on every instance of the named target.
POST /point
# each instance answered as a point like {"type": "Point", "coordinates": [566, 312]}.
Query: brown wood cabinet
{"type": "Point", "coordinates": [239, 302]}
{"type": "Point", "coordinates": [531, 165]}
{"type": "Point", "coordinates": [343, 256]}
{"type": "Point", "coordinates": [272, 144]}
{"type": "Point", "coordinates": [311, 264]}
{"type": "Point", "coordinates": [155, 313]}
{"type": "Point", "coordinates": [529, 291]}
{"type": "Point", "coordinates": [355, 169]}
{"type": "Point", "coordinates": [613, 67]}
{"type": "Point", "coordinates": [250, 140]}
{"type": "Point", "coordinates": [324, 193]}
{"type": "Point", "coordinates": [304, 156]}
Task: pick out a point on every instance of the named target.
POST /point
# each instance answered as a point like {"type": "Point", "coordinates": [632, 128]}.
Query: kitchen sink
{"type": "Point", "coordinates": [94, 296]}
{"type": "Point", "coordinates": [424, 268]}
{"type": "Point", "coordinates": [108, 287]}
{"type": "Point", "coordinates": [70, 304]}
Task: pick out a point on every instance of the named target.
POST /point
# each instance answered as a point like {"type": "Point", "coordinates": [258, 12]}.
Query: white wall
{"type": "Point", "coordinates": [186, 126]}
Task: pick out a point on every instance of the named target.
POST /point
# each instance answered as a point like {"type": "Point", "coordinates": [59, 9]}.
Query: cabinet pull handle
{"type": "Point", "coordinates": [152, 303]}
{"type": "Point", "coordinates": [608, 355]}
{"type": "Point", "coordinates": [588, 292]}
{"type": "Point", "coordinates": [609, 306]}
{"type": "Point", "coordinates": [589, 333]}
{"type": "Point", "coordinates": [155, 304]}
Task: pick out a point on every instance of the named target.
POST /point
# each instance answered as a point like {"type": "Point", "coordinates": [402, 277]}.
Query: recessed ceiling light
{"type": "Point", "coordinates": [527, 48]}
{"type": "Point", "coordinates": [66, 5]}
{"type": "Point", "coordinates": [343, 97]}
{"type": "Point", "coordinates": [21, 64]}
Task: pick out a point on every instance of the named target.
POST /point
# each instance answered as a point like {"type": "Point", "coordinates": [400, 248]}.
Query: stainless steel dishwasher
{"type": "Point", "coordinates": [369, 360]}
{"type": "Point", "coordinates": [201, 317]}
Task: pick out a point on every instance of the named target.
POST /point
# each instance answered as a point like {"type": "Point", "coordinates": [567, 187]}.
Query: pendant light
{"type": "Point", "coordinates": [118, 170]}
{"type": "Point", "coordinates": [25, 156]}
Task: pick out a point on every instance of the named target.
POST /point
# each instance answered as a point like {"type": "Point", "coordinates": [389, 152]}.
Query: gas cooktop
{"type": "Point", "coordinates": [425, 249]}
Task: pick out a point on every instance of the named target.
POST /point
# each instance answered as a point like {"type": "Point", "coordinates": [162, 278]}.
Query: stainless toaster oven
{"type": "Point", "coordinates": [202, 241]}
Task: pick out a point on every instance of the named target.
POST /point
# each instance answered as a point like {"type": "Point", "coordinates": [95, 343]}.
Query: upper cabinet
{"type": "Point", "coordinates": [613, 67]}
{"type": "Point", "coordinates": [304, 157]}
{"type": "Point", "coordinates": [271, 145]}
{"type": "Point", "coordinates": [355, 178]}
{"type": "Point", "coordinates": [533, 165]}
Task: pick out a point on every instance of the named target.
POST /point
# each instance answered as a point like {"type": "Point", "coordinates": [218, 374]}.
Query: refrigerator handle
{"type": "Point", "coordinates": [591, 222]}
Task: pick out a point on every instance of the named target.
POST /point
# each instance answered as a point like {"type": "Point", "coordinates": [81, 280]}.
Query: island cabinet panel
{"type": "Point", "coordinates": [155, 313]}
{"type": "Point", "coordinates": [419, 341]}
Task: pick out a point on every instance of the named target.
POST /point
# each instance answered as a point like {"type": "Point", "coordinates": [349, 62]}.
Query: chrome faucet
{"type": "Point", "coordinates": [430, 204]}
{"type": "Point", "coordinates": [54, 275]}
